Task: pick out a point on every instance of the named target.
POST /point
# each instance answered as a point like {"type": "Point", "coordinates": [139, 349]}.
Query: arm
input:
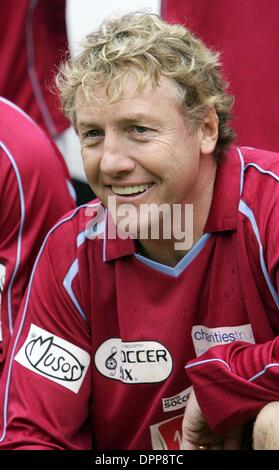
{"type": "Point", "coordinates": [33, 195]}
{"type": "Point", "coordinates": [197, 435]}
{"type": "Point", "coordinates": [234, 382]}
{"type": "Point", "coordinates": [45, 391]}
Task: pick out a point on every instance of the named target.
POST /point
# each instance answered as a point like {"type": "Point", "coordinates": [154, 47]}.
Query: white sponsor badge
{"type": "Point", "coordinates": [205, 338]}
{"type": "Point", "coordinates": [133, 362]}
{"type": "Point", "coordinates": [177, 401]}
{"type": "Point", "coordinates": [54, 358]}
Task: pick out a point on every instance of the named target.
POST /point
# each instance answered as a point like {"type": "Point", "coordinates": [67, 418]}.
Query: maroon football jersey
{"type": "Point", "coordinates": [34, 192]}
{"type": "Point", "coordinates": [33, 42]}
{"type": "Point", "coordinates": [100, 346]}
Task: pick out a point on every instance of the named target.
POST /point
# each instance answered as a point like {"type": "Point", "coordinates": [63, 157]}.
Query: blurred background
{"type": "Point", "coordinates": [35, 34]}
{"type": "Point", "coordinates": [82, 17]}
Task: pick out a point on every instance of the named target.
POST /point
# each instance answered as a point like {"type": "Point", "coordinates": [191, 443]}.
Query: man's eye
{"type": "Point", "coordinates": [140, 129]}
{"type": "Point", "coordinates": [92, 133]}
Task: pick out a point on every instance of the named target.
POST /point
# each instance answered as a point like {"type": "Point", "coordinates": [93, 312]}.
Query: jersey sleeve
{"type": "Point", "coordinates": [234, 382]}
{"type": "Point", "coordinates": [45, 388]}
{"type": "Point", "coordinates": [34, 194]}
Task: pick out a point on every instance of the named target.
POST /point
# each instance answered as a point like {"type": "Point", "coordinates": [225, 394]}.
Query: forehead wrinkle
{"type": "Point", "coordinates": [125, 120]}
{"type": "Point", "coordinates": [125, 105]}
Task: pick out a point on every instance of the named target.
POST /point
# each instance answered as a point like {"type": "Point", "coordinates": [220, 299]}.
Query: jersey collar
{"type": "Point", "coordinates": [116, 247]}
{"type": "Point", "coordinates": [226, 195]}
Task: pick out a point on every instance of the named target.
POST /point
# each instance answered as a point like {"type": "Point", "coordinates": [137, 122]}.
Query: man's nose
{"type": "Point", "coordinates": [116, 158]}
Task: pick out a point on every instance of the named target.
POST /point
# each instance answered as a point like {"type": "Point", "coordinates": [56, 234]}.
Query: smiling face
{"type": "Point", "coordinates": [139, 148]}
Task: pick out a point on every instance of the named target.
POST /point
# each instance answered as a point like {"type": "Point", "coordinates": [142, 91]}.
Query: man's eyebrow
{"type": "Point", "coordinates": [127, 119]}
{"type": "Point", "coordinates": [138, 117]}
{"type": "Point", "coordinates": [86, 124]}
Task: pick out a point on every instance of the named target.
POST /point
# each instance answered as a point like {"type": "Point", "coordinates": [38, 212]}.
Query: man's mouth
{"type": "Point", "coordinates": [131, 190]}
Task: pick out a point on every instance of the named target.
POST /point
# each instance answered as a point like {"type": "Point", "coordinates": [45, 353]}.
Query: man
{"type": "Point", "coordinates": [33, 42]}
{"type": "Point", "coordinates": [35, 192]}
{"type": "Point", "coordinates": [181, 260]}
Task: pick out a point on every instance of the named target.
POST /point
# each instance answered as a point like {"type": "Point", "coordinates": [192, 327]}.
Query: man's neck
{"type": "Point", "coordinates": [164, 251]}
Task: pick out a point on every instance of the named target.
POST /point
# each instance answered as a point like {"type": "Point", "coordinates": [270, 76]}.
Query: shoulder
{"type": "Point", "coordinates": [260, 165]}
{"type": "Point", "coordinates": [260, 174]}
{"type": "Point", "coordinates": [259, 199]}
{"type": "Point", "coordinates": [23, 141]}
{"type": "Point", "coordinates": [82, 226]}
{"type": "Point", "coordinates": [28, 156]}
{"type": "Point", "coordinates": [10, 112]}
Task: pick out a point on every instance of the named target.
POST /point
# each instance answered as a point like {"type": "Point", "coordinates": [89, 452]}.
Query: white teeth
{"type": "Point", "coordinates": [139, 188]}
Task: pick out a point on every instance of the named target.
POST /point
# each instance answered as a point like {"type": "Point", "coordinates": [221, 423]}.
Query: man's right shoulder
{"type": "Point", "coordinates": [81, 225]}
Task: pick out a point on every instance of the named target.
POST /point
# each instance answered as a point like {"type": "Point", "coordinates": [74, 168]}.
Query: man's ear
{"type": "Point", "coordinates": [209, 129]}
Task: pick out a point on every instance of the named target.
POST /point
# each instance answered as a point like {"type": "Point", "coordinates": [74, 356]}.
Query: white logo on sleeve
{"type": "Point", "coordinates": [54, 358]}
{"type": "Point", "coordinates": [2, 282]}
{"type": "Point", "coordinates": [133, 362]}
{"type": "Point", "coordinates": [205, 338]}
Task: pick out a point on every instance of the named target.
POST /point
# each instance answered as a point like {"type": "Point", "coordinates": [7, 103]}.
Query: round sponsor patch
{"type": "Point", "coordinates": [133, 362]}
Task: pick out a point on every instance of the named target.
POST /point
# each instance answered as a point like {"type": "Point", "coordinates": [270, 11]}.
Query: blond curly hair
{"type": "Point", "coordinates": [150, 47]}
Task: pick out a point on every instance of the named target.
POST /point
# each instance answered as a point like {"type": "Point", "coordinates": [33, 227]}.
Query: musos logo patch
{"type": "Point", "coordinates": [54, 358]}
{"type": "Point", "coordinates": [133, 362]}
